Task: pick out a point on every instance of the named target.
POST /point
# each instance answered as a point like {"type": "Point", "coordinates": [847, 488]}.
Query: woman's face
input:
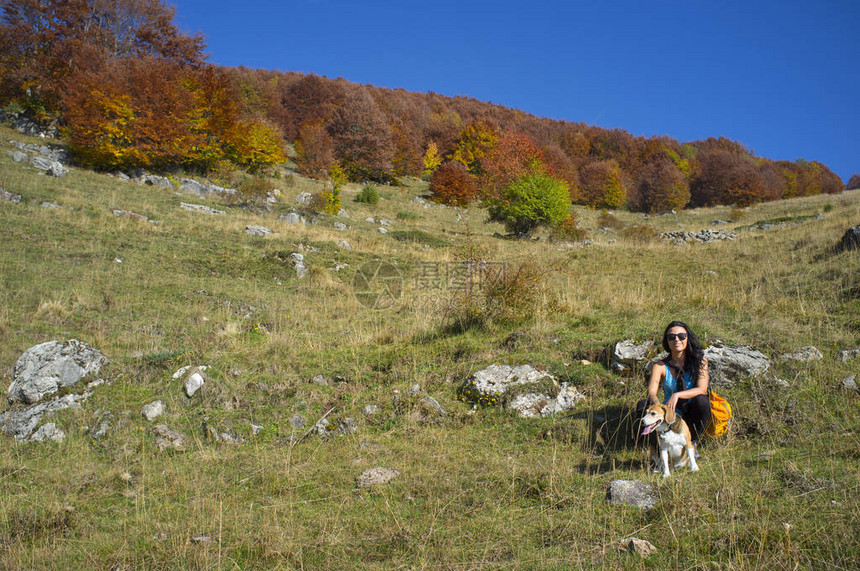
{"type": "Point", "coordinates": [673, 339]}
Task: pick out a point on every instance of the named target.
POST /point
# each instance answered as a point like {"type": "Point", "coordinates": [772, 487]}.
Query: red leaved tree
{"type": "Point", "coordinates": [663, 187]}
{"type": "Point", "coordinates": [452, 184]}
{"type": "Point", "coordinates": [315, 150]}
{"type": "Point", "coordinates": [45, 41]}
{"type": "Point", "coordinates": [514, 156]}
{"type": "Point", "coordinates": [362, 138]}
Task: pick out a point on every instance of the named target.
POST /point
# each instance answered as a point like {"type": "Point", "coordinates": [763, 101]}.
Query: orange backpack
{"type": "Point", "coordinates": [721, 415]}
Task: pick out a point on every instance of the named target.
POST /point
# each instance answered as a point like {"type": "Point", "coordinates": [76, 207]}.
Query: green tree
{"type": "Point", "coordinates": [530, 201]}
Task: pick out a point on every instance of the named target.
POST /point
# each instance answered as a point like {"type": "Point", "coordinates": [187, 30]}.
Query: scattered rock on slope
{"type": "Point", "coordinates": [632, 493]}
{"type": "Point", "coordinates": [628, 354]}
{"type": "Point", "coordinates": [524, 389]}
{"type": "Point", "coordinates": [727, 365]}
{"type": "Point", "coordinates": [805, 354]}
{"type": "Point", "coordinates": [46, 368]}
{"type": "Point", "coordinates": [850, 241]}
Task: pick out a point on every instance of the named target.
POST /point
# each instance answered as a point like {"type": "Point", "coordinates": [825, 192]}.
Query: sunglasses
{"type": "Point", "coordinates": [678, 336]}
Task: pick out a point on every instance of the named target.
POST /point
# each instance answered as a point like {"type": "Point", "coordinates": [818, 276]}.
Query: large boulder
{"type": "Point", "coordinates": [727, 365]}
{"type": "Point", "coordinates": [629, 354]}
{"type": "Point", "coordinates": [51, 167]}
{"type": "Point", "coordinates": [46, 368]}
{"type": "Point", "coordinates": [22, 423]}
{"type": "Point", "coordinates": [850, 241]}
{"type": "Point", "coordinates": [525, 390]}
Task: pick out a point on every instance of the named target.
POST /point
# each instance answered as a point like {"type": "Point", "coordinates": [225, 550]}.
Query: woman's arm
{"type": "Point", "coordinates": [658, 371]}
{"type": "Point", "coordinates": [701, 387]}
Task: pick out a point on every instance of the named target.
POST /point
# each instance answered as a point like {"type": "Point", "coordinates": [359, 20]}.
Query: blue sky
{"type": "Point", "coordinates": [780, 76]}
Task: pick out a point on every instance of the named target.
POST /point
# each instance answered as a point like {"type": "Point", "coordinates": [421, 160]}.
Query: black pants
{"type": "Point", "coordinates": [696, 412]}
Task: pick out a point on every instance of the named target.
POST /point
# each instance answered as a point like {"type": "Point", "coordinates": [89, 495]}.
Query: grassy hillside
{"type": "Point", "coordinates": [478, 489]}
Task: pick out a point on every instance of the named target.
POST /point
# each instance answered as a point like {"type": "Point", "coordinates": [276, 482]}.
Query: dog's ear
{"type": "Point", "coordinates": [670, 415]}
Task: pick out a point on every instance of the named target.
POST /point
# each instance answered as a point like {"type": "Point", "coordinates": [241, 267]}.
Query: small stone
{"type": "Point", "coordinates": [376, 476]}
{"type": "Point", "coordinates": [297, 421]}
{"type": "Point", "coordinates": [51, 205]}
{"type": "Point", "coordinates": [849, 383]}
{"type": "Point", "coordinates": [319, 380]}
{"type": "Point", "coordinates": [640, 547]}
{"type": "Point", "coordinates": [201, 208]}
{"type": "Point", "coordinates": [101, 429]}
{"type": "Point", "coordinates": [291, 218]}
{"type": "Point", "coordinates": [304, 198]}
{"type": "Point", "coordinates": [344, 244]}
{"type": "Point", "coordinates": [168, 439]}
{"type": "Point", "coordinates": [153, 410]}
{"type": "Point", "coordinates": [347, 426]}
{"type": "Point", "coordinates": [193, 383]}
{"type": "Point", "coordinates": [48, 431]}
{"type": "Point", "coordinates": [414, 390]}
{"type": "Point", "coordinates": [255, 429]}
{"type": "Point", "coordinates": [805, 354]}
{"type": "Point", "coordinates": [6, 196]}
{"type": "Point", "coordinates": [849, 354]}
{"type": "Point", "coordinates": [433, 405]}
{"type": "Point", "coordinates": [180, 372]}
{"type": "Point", "coordinates": [382, 230]}
{"type": "Point", "coordinates": [632, 493]}
{"type": "Point", "coordinates": [252, 230]}
{"type": "Point", "coordinates": [340, 226]}
{"type": "Point", "coordinates": [370, 410]}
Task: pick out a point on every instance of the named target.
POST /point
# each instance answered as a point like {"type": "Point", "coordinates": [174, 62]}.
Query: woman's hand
{"type": "Point", "coordinates": [673, 402]}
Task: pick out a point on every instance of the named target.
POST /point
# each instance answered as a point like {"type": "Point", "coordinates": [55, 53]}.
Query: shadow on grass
{"type": "Point", "coordinates": [611, 431]}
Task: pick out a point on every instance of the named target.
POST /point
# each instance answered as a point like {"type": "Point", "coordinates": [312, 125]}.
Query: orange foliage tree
{"type": "Point", "coordinates": [45, 41]}
{"type": "Point", "coordinates": [726, 177]}
{"type": "Point", "coordinates": [514, 156]}
{"type": "Point", "coordinates": [145, 112]}
{"type": "Point", "coordinates": [663, 187]}
{"type": "Point", "coordinates": [601, 185]}
{"type": "Point", "coordinates": [362, 137]}
{"type": "Point", "coordinates": [315, 150]}
{"type": "Point", "coordinates": [452, 184]}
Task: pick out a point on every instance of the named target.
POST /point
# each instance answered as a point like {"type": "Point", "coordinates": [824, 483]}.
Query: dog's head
{"type": "Point", "coordinates": [656, 415]}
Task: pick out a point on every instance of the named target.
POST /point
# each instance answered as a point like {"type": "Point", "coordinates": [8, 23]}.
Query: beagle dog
{"type": "Point", "coordinates": [673, 436]}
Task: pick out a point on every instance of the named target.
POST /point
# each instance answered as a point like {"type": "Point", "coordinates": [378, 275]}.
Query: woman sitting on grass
{"type": "Point", "coordinates": [684, 378]}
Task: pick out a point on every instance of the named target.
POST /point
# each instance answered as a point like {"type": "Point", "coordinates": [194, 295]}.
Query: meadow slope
{"type": "Point", "coordinates": [478, 488]}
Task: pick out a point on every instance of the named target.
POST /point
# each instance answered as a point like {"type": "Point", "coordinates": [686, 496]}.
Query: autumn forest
{"type": "Point", "coordinates": [129, 90]}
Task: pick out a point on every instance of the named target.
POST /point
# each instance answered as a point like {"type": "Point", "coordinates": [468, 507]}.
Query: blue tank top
{"type": "Point", "coordinates": [670, 383]}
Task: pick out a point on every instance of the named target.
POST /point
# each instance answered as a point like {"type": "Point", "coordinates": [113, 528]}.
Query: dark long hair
{"type": "Point", "coordinates": [693, 354]}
